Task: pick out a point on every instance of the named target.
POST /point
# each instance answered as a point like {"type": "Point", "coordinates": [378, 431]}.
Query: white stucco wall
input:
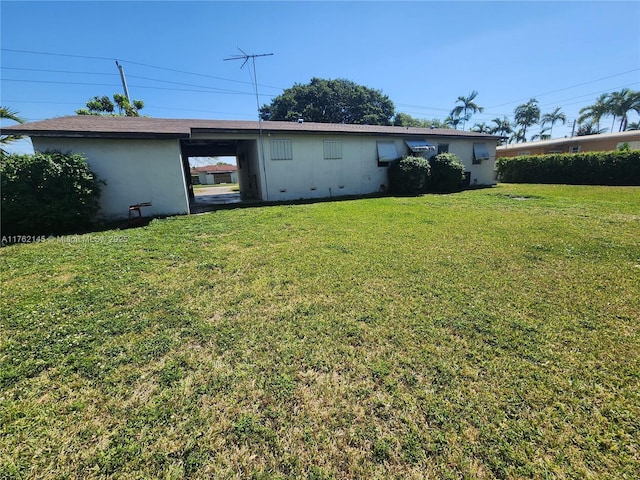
{"type": "Point", "coordinates": [135, 171]}
{"type": "Point", "coordinates": [309, 175]}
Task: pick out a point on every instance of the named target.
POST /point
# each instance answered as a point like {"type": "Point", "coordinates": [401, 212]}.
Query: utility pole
{"type": "Point", "coordinates": [124, 82]}
{"type": "Point", "coordinates": [254, 80]}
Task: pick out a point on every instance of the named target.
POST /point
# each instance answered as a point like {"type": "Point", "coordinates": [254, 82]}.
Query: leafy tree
{"type": "Point", "coordinates": [552, 118]}
{"type": "Point", "coordinates": [526, 115]}
{"type": "Point", "coordinates": [406, 120]}
{"type": "Point", "coordinates": [331, 101]}
{"type": "Point", "coordinates": [104, 106]}
{"type": "Point", "coordinates": [47, 193]}
{"type": "Point", "coordinates": [466, 108]}
{"type": "Point", "coordinates": [8, 114]}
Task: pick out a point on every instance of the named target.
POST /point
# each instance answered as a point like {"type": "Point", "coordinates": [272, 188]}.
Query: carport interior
{"type": "Point", "coordinates": [217, 148]}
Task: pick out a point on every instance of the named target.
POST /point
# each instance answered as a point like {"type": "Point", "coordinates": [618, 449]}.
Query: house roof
{"type": "Point", "coordinates": [215, 169]}
{"type": "Point", "coordinates": [621, 136]}
{"type": "Point", "coordinates": [144, 127]}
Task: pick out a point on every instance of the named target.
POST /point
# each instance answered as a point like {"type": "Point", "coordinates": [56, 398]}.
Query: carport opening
{"type": "Point", "coordinates": [215, 179]}
{"type": "Point", "coordinates": [219, 172]}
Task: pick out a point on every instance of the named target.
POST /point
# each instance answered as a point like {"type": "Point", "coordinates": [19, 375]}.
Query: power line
{"type": "Point", "coordinates": [58, 71]}
{"type": "Point", "coordinates": [134, 63]}
{"type": "Point", "coordinates": [568, 88]}
{"type": "Point", "coordinates": [115, 75]}
{"type": "Point", "coordinates": [210, 90]}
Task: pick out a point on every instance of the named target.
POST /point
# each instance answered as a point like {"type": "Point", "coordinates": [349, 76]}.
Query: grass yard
{"type": "Point", "coordinates": [486, 334]}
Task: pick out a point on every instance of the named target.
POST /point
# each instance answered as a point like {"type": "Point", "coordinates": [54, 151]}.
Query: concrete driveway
{"type": "Point", "coordinates": [207, 198]}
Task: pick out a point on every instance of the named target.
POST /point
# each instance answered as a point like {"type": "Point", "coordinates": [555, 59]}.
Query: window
{"type": "Point", "coordinates": [387, 152]}
{"type": "Point", "coordinates": [574, 149]}
{"type": "Point", "coordinates": [480, 152]}
{"type": "Point", "coordinates": [524, 152]}
{"type": "Point", "coordinates": [281, 150]}
{"type": "Point", "coordinates": [443, 148]}
{"type": "Point", "coordinates": [420, 147]}
{"type": "Point", "coordinates": [332, 150]}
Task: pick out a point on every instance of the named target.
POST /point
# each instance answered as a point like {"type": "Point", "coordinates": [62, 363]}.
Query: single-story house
{"type": "Point", "coordinates": [602, 142]}
{"type": "Point", "coordinates": [147, 159]}
{"type": "Point", "coordinates": [215, 174]}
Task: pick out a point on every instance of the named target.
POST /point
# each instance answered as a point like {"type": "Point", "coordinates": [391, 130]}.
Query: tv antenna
{"type": "Point", "coordinates": [254, 80]}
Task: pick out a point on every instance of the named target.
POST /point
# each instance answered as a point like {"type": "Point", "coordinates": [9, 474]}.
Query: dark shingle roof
{"type": "Point", "coordinates": [143, 127]}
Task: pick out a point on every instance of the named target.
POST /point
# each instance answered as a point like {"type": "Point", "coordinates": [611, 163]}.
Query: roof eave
{"type": "Point", "coordinates": [89, 134]}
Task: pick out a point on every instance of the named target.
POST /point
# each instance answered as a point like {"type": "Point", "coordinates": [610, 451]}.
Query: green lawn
{"type": "Point", "coordinates": [486, 334]}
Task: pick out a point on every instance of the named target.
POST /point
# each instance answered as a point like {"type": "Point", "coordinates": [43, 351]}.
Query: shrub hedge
{"type": "Point", "coordinates": [447, 173]}
{"type": "Point", "coordinates": [47, 193]}
{"type": "Point", "coordinates": [588, 168]}
{"type": "Point", "coordinates": [409, 175]}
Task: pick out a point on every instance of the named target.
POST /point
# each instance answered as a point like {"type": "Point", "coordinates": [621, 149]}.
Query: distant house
{"type": "Point", "coordinates": [588, 143]}
{"type": "Point", "coordinates": [215, 174]}
{"type": "Point", "coordinates": [147, 159]}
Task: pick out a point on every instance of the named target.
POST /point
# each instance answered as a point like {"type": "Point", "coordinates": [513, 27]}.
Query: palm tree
{"type": "Point", "coordinates": [7, 114]}
{"type": "Point", "coordinates": [633, 126]}
{"type": "Point", "coordinates": [481, 128]}
{"type": "Point", "coordinates": [526, 115]}
{"type": "Point", "coordinates": [621, 103]}
{"type": "Point", "coordinates": [543, 135]}
{"type": "Point", "coordinates": [502, 127]}
{"type": "Point", "coordinates": [517, 136]}
{"type": "Point", "coordinates": [552, 118]}
{"type": "Point", "coordinates": [452, 121]}
{"type": "Point", "coordinates": [596, 111]}
{"type": "Point", "coordinates": [589, 128]}
{"type": "Point", "coordinates": [467, 107]}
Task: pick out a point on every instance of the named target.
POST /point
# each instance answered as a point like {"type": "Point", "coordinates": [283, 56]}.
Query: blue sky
{"type": "Point", "coordinates": [423, 55]}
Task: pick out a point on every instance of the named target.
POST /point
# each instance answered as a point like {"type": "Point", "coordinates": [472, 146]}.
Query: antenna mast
{"type": "Point", "coordinates": [254, 79]}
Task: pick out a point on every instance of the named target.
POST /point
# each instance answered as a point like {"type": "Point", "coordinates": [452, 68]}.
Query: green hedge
{"type": "Point", "coordinates": [442, 173]}
{"type": "Point", "coordinates": [589, 168]}
{"type": "Point", "coordinates": [47, 193]}
{"type": "Point", "coordinates": [409, 175]}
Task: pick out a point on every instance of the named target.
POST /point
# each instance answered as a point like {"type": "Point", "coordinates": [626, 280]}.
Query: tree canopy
{"type": "Point", "coordinates": [331, 101]}
{"type": "Point", "coordinates": [104, 106]}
